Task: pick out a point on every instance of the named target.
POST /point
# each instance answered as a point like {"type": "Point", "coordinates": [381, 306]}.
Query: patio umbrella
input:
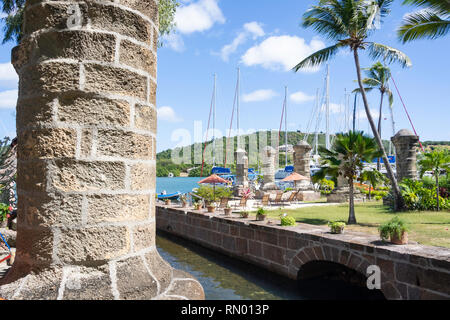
{"type": "Point", "coordinates": [214, 179]}
{"type": "Point", "coordinates": [295, 177]}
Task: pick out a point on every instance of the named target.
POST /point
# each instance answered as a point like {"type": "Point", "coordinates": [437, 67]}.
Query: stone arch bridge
{"type": "Point", "coordinates": [407, 272]}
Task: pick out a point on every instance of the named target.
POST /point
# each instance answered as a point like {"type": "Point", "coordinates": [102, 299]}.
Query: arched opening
{"type": "Point", "coordinates": [324, 280]}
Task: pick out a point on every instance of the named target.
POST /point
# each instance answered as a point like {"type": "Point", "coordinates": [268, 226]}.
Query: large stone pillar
{"type": "Point", "coordinates": [268, 168]}
{"type": "Point", "coordinates": [302, 158]}
{"type": "Point", "coordinates": [406, 143]}
{"type": "Point", "coordinates": [241, 168]}
{"type": "Point", "coordinates": [86, 122]}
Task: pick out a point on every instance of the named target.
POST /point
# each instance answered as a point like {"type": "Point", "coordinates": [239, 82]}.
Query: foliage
{"type": "Point", "coordinates": [374, 178]}
{"type": "Point", "coordinates": [244, 214]}
{"type": "Point", "coordinates": [287, 221]}
{"type": "Point", "coordinates": [325, 186]}
{"type": "Point", "coordinates": [435, 161]}
{"type": "Point", "coordinates": [14, 19]}
{"type": "Point", "coordinates": [4, 211]}
{"type": "Point", "coordinates": [336, 226]}
{"type": "Point", "coordinates": [261, 212]}
{"type": "Point", "coordinates": [418, 197]}
{"type": "Point", "coordinates": [207, 192]}
{"type": "Point", "coordinates": [430, 22]}
{"type": "Point", "coordinates": [394, 227]}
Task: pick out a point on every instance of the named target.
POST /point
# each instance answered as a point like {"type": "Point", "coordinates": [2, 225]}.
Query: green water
{"type": "Point", "coordinates": [224, 278]}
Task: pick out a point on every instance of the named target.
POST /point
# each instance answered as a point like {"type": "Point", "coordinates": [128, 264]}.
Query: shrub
{"type": "Point", "coordinates": [287, 221]}
{"type": "Point", "coordinates": [336, 226]}
{"type": "Point", "coordinates": [419, 197]}
{"type": "Point", "coordinates": [396, 226]}
{"type": "Point", "coordinates": [261, 212]}
{"type": "Point", "coordinates": [326, 186]}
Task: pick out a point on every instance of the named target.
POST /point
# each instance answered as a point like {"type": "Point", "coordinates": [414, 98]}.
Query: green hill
{"type": "Point", "coordinates": [164, 164]}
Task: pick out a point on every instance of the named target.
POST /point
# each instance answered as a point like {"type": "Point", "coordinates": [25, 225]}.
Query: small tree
{"type": "Point", "coordinates": [435, 161]}
{"type": "Point", "coordinates": [347, 156]}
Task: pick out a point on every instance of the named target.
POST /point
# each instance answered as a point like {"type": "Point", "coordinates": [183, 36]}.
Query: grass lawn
{"type": "Point", "coordinates": [426, 227]}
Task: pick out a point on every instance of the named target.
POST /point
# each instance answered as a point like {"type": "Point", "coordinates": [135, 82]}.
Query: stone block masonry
{"type": "Point", "coordinates": [86, 125]}
{"type": "Point", "coordinates": [407, 272]}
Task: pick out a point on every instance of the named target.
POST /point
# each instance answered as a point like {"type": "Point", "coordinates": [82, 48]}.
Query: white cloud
{"type": "Point", "coordinates": [253, 29]}
{"type": "Point", "coordinates": [301, 97]}
{"type": "Point", "coordinates": [8, 99]}
{"type": "Point", "coordinates": [198, 16]}
{"type": "Point", "coordinates": [175, 42]}
{"type": "Point", "coordinates": [168, 114]}
{"type": "Point", "coordinates": [281, 52]}
{"type": "Point", "coordinates": [7, 72]}
{"type": "Point", "coordinates": [361, 114]}
{"type": "Point", "coordinates": [259, 95]}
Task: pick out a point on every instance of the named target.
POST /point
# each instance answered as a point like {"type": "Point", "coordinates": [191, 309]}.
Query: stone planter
{"type": "Point", "coordinates": [400, 241]}
{"type": "Point", "coordinates": [228, 211]}
{"type": "Point", "coordinates": [261, 217]}
{"type": "Point", "coordinates": [211, 209]}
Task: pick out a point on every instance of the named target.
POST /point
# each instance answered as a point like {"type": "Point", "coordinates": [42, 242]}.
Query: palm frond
{"type": "Point", "coordinates": [441, 6]}
{"type": "Point", "coordinates": [388, 54]}
{"type": "Point", "coordinates": [424, 24]}
{"type": "Point", "coordinates": [319, 57]}
{"type": "Point", "coordinates": [325, 21]}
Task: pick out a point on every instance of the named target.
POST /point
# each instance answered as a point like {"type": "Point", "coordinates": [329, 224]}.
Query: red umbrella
{"type": "Point", "coordinates": [214, 179]}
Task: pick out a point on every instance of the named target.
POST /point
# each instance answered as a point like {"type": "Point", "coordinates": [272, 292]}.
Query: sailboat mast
{"type": "Point", "coordinates": [214, 120]}
{"type": "Point", "coordinates": [285, 125]}
{"type": "Point", "coordinates": [238, 107]}
{"type": "Point", "coordinates": [327, 142]}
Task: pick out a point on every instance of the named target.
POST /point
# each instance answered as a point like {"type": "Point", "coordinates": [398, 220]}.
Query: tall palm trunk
{"type": "Point", "coordinates": [351, 213]}
{"type": "Point", "coordinates": [437, 190]}
{"type": "Point", "coordinates": [379, 126]}
{"type": "Point", "coordinates": [398, 199]}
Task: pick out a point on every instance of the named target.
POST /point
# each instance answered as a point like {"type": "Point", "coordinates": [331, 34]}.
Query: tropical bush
{"type": "Point", "coordinates": [418, 197]}
{"type": "Point", "coordinates": [207, 192]}
{"type": "Point", "coordinates": [287, 221]}
{"type": "Point", "coordinates": [394, 227]}
{"type": "Point", "coordinates": [326, 186]}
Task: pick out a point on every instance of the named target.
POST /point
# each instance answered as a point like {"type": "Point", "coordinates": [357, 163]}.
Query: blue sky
{"type": "Point", "coordinates": [264, 38]}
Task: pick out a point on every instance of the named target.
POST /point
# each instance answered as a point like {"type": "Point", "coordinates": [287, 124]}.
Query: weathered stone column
{"type": "Point", "coordinates": [86, 122]}
{"type": "Point", "coordinates": [241, 168]}
{"type": "Point", "coordinates": [268, 167]}
{"type": "Point", "coordinates": [302, 158]}
{"type": "Point", "coordinates": [406, 143]}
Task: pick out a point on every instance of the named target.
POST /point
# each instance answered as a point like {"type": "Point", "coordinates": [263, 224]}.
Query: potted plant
{"type": "Point", "coordinates": [394, 230]}
{"type": "Point", "coordinates": [183, 200]}
{"type": "Point", "coordinates": [244, 214]}
{"type": "Point", "coordinates": [198, 205]}
{"type": "Point", "coordinates": [228, 210]}
{"type": "Point", "coordinates": [211, 207]}
{"type": "Point", "coordinates": [261, 214]}
{"type": "Point", "coordinates": [337, 227]}
{"type": "Point", "coordinates": [167, 202]}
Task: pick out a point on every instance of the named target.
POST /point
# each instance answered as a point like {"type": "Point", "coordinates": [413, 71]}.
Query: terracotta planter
{"type": "Point", "coordinates": [228, 211]}
{"type": "Point", "coordinates": [184, 204]}
{"type": "Point", "coordinates": [211, 209]}
{"type": "Point", "coordinates": [198, 207]}
{"type": "Point", "coordinates": [261, 217]}
{"type": "Point", "coordinates": [400, 241]}
{"type": "Point", "coordinates": [244, 215]}
{"type": "Point", "coordinates": [167, 202]}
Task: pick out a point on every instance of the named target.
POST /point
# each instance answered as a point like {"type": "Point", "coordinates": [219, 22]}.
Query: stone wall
{"type": "Point", "coordinates": [408, 272]}
{"type": "Point", "coordinates": [86, 122]}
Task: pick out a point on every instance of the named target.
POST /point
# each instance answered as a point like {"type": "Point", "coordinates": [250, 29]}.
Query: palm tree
{"type": "Point", "coordinates": [432, 22]}
{"type": "Point", "coordinates": [435, 161]}
{"type": "Point", "coordinates": [373, 177]}
{"type": "Point", "coordinates": [378, 78]}
{"type": "Point", "coordinates": [349, 23]}
{"type": "Point", "coordinates": [346, 158]}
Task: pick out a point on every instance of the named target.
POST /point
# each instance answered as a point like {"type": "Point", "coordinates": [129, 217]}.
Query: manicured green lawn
{"type": "Point", "coordinates": [428, 228]}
